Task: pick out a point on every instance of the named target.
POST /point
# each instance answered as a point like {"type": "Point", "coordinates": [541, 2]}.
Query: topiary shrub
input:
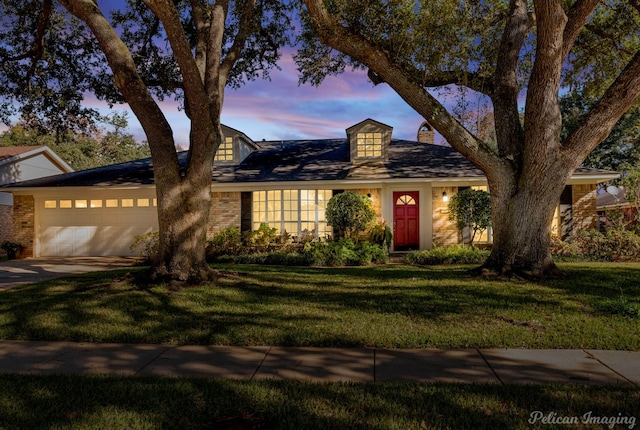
{"type": "Point", "coordinates": [350, 214]}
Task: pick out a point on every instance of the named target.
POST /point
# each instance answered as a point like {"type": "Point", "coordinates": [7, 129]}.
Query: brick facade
{"type": "Point", "coordinates": [6, 223]}
{"type": "Point", "coordinates": [445, 232]}
{"type": "Point", "coordinates": [225, 211]}
{"type": "Point", "coordinates": [24, 223]}
{"type": "Point", "coordinates": [584, 207]}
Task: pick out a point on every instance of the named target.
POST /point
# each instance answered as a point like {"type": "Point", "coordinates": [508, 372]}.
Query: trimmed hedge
{"type": "Point", "coordinates": [456, 254]}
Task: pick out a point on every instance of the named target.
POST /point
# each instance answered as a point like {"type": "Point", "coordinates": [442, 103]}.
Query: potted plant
{"type": "Point", "coordinates": [11, 248]}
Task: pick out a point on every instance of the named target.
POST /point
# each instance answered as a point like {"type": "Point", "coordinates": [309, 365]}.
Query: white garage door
{"type": "Point", "coordinates": [93, 227]}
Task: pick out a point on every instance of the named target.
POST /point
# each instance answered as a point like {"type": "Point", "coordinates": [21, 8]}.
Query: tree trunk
{"type": "Point", "coordinates": [522, 218]}
{"type": "Point", "coordinates": [183, 213]}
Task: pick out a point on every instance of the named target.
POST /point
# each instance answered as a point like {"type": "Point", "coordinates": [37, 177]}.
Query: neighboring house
{"type": "Point", "coordinates": [20, 163]}
{"type": "Point", "coordinates": [285, 184]}
{"type": "Point", "coordinates": [607, 203]}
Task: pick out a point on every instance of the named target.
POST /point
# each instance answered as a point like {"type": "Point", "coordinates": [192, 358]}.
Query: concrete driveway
{"type": "Point", "coordinates": [30, 270]}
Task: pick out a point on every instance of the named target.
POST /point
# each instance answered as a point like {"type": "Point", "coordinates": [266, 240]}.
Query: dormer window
{"type": "Point", "coordinates": [369, 141]}
{"type": "Point", "coordinates": [225, 150]}
{"type": "Point", "coordinates": [235, 147]}
{"type": "Point", "coordinates": [369, 145]}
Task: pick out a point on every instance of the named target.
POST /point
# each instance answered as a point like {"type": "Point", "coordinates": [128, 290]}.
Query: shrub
{"type": "Point", "coordinates": [350, 214]}
{"type": "Point", "coordinates": [345, 253]}
{"type": "Point", "coordinates": [271, 258]}
{"type": "Point", "coordinates": [457, 254]}
{"type": "Point", "coordinates": [259, 240]}
{"type": "Point", "coordinates": [380, 234]}
{"type": "Point", "coordinates": [227, 241]}
{"type": "Point", "coordinates": [613, 245]}
{"type": "Point", "coordinates": [471, 209]}
{"type": "Point", "coordinates": [146, 246]}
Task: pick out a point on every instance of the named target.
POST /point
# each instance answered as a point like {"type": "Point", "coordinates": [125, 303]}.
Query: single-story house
{"type": "Point", "coordinates": [615, 207]}
{"type": "Point", "coordinates": [285, 184]}
{"type": "Point", "coordinates": [21, 163]}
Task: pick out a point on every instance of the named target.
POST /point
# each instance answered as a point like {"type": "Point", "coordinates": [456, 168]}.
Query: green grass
{"type": "Point", "coordinates": [92, 402]}
{"type": "Point", "coordinates": [383, 306]}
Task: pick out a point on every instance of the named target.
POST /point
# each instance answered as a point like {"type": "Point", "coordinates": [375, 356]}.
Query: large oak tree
{"type": "Point", "coordinates": [191, 49]}
{"type": "Point", "coordinates": [504, 50]}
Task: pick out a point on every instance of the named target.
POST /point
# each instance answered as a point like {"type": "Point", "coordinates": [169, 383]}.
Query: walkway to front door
{"type": "Point", "coordinates": [406, 222]}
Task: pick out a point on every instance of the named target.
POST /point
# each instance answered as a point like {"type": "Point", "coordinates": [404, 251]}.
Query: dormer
{"type": "Point", "coordinates": [235, 147]}
{"type": "Point", "coordinates": [369, 141]}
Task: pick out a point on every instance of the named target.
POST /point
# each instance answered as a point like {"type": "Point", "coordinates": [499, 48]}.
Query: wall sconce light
{"type": "Point", "coordinates": [445, 197]}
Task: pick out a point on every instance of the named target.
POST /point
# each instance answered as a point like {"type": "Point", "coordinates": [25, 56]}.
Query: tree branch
{"type": "Point", "coordinates": [509, 133]}
{"type": "Point", "coordinates": [576, 20]}
{"type": "Point", "coordinates": [36, 52]}
{"type": "Point", "coordinates": [597, 124]}
{"type": "Point", "coordinates": [131, 86]}
{"type": "Point", "coordinates": [246, 24]}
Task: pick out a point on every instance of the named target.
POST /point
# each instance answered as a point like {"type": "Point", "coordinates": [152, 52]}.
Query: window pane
{"type": "Point", "coordinates": [96, 203]}
{"type": "Point", "coordinates": [65, 204]}
{"type": "Point", "coordinates": [127, 203]}
{"type": "Point", "coordinates": [111, 203]}
{"type": "Point", "coordinates": [50, 204]}
{"type": "Point", "coordinates": [143, 203]}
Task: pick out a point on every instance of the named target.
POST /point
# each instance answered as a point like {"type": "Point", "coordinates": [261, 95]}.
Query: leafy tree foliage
{"type": "Point", "coordinates": [350, 214]}
{"type": "Point", "coordinates": [497, 49]}
{"type": "Point", "coordinates": [620, 150]}
{"type": "Point", "coordinates": [83, 151]}
{"type": "Point", "coordinates": [471, 209]}
{"type": "Point", "coordinates": [54, 52]}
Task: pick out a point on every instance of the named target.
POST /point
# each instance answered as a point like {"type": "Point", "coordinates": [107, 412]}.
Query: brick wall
{"type": "Point", "coordinates": [584, 207]}
{"type": "Point", "coordinates": [225, 211]}
{"type": "Point", "coordinates": [444, 231]}
{"type": "Point", "coordinates": [6, 223]}
{"type": "Point", "coordinates": [23, 223]}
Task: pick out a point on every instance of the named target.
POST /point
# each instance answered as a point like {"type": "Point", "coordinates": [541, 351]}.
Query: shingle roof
{"type": "Point", "coordinates": [7, 152]}
{"type": "Point", "coordinates": [298, 160]}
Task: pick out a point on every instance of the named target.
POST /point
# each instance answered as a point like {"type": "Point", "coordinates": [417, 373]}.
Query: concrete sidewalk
{"type": "Point", "coordinates": [325, 364]}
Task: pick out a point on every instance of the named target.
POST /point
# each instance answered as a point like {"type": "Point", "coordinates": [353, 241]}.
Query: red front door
{"type": "Point", "coordinates": [406, 221]}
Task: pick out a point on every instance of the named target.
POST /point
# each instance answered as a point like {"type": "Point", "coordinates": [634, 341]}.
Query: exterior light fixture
{"type": "Point", "coordinates": [445, 197]}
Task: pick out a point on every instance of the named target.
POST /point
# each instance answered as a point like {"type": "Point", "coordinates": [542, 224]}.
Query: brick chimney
{"type": "Point", "coordinates": [426, 133]}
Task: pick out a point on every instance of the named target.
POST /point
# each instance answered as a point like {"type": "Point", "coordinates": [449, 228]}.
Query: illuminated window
{"type": "Point", "coordinates": [369, 145]}
{"type": "Point", "coordinates": [111, 203]}
{"type": "Point", "coordinates": [293, 211]}
{"type": "Point", "coordinates": [127, 203]}
{"type": "Point", "coordinates": [155, 202]}
{"type": "Point", "coordinates": [143, 203]}
{"type": "Point", "coordinates": [50, 204]}
{"type": "Point", "coordinates": [65, 204]}
{"type": "Point", "coordinates": [225, 150]}
{"type": "Point", "coordinates": [406, 199]}
{"type": "Point", "coordinates": [95, 204]}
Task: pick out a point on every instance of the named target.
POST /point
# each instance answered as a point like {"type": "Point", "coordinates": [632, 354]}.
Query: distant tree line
{"type": "Point", "coordinates": [82, 150]}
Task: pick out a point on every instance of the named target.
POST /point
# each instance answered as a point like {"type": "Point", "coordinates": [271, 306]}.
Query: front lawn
{"type": "Point", "coordinates": [96, 402]}
{"type": "Point", "coordinates": [594, 306]}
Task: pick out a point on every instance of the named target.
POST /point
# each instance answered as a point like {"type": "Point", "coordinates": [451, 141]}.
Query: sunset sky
{"type": "Point", "coordinates": [281, 110]}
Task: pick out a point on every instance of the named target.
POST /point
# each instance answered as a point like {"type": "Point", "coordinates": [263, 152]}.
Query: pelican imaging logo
{"type": "Point", "coordinates": [588, 418]}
